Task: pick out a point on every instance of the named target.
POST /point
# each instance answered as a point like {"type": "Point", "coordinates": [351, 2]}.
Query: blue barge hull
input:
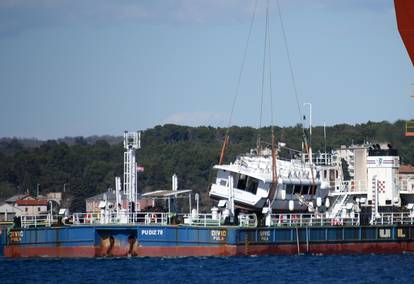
{"type": "Point", "coordinates": [182, 240]}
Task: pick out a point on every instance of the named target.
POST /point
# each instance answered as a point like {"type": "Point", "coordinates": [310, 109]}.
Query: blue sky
{"type": "Point", "coordinates": [70, 68]}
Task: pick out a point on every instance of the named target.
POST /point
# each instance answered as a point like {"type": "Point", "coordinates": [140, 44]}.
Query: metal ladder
{"type": "Point", "coordinates": [338, 205]}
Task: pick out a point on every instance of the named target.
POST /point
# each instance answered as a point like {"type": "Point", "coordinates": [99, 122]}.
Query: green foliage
{"type": "Point", "coordinates": [88, 165]}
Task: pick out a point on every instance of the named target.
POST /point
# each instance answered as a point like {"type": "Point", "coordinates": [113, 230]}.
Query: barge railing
{"type": "Point", "coordinates": [159, 218]}
{"type": "Point", "coordinates": [403, 218]}
{"type": "Point", "coordinates": [206, 220]}
{"type": "Point", "coordinates": [302, 220]}
{"type": "Point", "coordinates": [43, 220]}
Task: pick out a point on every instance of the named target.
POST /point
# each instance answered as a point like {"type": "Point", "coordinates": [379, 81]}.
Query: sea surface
{"type": "Point", "coordinates": [263, 269]}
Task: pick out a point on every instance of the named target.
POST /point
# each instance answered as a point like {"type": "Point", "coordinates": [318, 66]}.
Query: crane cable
{"type": "Point", "coordinates": [263, 76]}
{"type": "Point", "coordinates": [292, 75]}
{"type": "Point", "coordinates": [267, 55]}
{"type": "Point", "coordinates": [274, 151]}
{"type": "Point", "coordinates": [226, 136]}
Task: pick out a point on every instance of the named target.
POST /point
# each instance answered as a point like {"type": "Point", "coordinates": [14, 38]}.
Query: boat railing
{"type": "Point", "coordinates": [394, 218]}
{"type": "Point", "coordinates": [299, 220]}
{"type": "Point", "coordinates": [33, 221]}
{"type": "Point", "coordinates": [320, 159]}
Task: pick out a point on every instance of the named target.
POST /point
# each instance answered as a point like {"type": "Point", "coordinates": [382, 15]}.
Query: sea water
{"type": "Point", "coordinates": [196, 270]}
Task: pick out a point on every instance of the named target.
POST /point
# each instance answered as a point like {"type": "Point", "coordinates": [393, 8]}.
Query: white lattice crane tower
{"type": "Point", "coordinates": [132, 142]}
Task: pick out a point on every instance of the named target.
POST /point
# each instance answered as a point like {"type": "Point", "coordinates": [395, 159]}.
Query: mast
{"type": "Point", "coordinates": [310, 132]}
{"type": "Point", "coordinates": [118, 198]}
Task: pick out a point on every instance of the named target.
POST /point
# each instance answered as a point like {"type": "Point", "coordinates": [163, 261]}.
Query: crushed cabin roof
{"type": "Point", "coordinates": [406, 169]}
{"type": "Point", "coordinates": [165, 193]}
{"type": "Point", "coordinates": [245, 171]}
{"type": "Point", "coordinates": [32, 202]}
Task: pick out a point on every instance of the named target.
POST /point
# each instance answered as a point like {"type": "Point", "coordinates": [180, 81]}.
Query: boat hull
{"type": "Point", "coordinates": [178, 241]}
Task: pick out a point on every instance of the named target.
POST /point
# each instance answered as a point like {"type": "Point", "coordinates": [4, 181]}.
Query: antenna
{"type": "Point", "coordinates": [117, 195]}
{"type": "Point", "coordinates": [324, 140]}
{"type": "Point", "coordinates": [174, 182]}
{"type": "Point", "coordinates": [324, 134]}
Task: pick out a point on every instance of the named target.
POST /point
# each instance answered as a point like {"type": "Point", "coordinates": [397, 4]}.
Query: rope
{"type": "Point", "coordinates": [270, 76]}
{"type": "Point", "coordinates": [263, 74]}
{"type": "Point", "coordinates": [267, 56]}
{"type": "Point", "coordinates": [225, 142]}
{"type": "Point", "coordinates": [274, 152]}
{"type": "Point", "coordinates": [292, 75]}
{"type": "Point", "coordinates": [246, 47]}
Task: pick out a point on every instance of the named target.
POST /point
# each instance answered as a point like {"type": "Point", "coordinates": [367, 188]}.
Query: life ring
{"type": "Point", "coordinates": [88, 218]}
{"type": "Point", "coordinates": [153, 218]}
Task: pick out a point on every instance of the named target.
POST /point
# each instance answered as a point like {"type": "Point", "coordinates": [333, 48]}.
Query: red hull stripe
{"type": "Point", "coordinates": [225, 250]}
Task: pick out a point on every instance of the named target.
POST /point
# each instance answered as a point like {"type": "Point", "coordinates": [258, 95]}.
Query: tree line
{"type": "Point", "coordinates": [87, 166]}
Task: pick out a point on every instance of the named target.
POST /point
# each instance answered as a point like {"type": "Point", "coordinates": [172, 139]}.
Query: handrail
{"type": "Point", "coordinates": [394, 218]}
{"type": "Point", "coordinates": [160, 218]}
{"type": "Point", "coordinates": [43, 220]}
{"type": "Point", "coordinates": [295, 220]}
{"type": "Point", "coordinates": [247, 220]}
{"type": "Point", "coordinates": [206, 220]}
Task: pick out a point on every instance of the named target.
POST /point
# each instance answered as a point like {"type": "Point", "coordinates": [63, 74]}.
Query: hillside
{"type": "Point", "coordinates": [88, 165]}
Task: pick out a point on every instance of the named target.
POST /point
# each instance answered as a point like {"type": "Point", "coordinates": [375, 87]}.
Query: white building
{"type": "Point", "coordinates": [8, 212]}
{"type": "Point", "coordinates": [406, 176]}
{"type": "Point", "coordinates": [32, 206]}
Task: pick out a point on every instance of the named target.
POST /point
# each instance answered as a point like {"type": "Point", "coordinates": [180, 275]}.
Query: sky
{"type": "Point", "coordinates": [96, 67]}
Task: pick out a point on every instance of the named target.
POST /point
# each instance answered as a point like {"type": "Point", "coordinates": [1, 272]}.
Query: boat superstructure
{"type": "Point", "coordinates": [248, 180]}
{"type": "Point", "coordinates": [373, 183]}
